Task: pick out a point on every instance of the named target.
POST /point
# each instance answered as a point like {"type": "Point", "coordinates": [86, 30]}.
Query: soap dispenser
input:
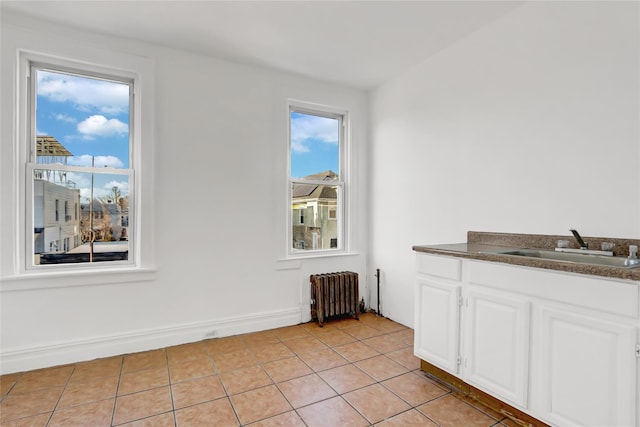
{"type": "Point", "coordinates": [633, 252]}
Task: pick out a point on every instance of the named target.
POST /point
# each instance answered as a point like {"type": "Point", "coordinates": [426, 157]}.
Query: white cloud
{"type": "Point", "coordinates": [81, 180]}
{"type": "Point", "coordinates": [99, 125]}
{"type": "Point", "coordinates": [299, 146]}
{"type": "Point", "coordinates": [86, 93]}
{"type": "Point", "coordinates": [85, 194]}
{"type": "Point", "coordinates": [65, 118]}
{"type": "Point", "coordinates": [102, 189]}
{"type": "Point", "coordinates": [123, 186]}
{"type": "Point", "coordinates": [98, 193]}
{"type": "Point", "coordinates": [306, 127]}
{"type": "Point", "coordinates": [99, 161]}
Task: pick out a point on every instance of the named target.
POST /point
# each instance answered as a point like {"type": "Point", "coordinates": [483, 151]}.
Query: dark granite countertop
{"type": "Point", "coordinates": [480, 244]}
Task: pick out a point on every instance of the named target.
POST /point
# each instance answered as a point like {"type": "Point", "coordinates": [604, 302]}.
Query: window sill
{"type": "Point", "coordinates": [67, 279]}
{"type": "Point", "coordinates": [294, 261]}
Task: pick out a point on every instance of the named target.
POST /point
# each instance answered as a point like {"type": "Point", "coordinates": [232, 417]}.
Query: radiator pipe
{"type": "Point", "coordinates": [378, 282]}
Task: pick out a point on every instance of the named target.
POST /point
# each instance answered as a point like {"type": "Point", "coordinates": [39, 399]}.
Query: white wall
{"type": "Point", "coordinates": [529, 125]}
{"type": "Point", "coordinates": [221, 151]}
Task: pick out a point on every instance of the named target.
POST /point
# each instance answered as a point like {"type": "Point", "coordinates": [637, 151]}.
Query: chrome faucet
{"type": "Point", "coordinates": [582, 243]}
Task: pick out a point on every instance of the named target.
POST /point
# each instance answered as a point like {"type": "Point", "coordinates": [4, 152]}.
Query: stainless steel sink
{"type": "Point", "coordinates": [607, 261]}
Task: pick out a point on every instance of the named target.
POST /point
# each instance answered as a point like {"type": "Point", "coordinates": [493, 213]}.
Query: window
{"type": "Point", "coordinates": [26, 175]}
{"type": "Point", "coordinates": [316, 179]}
{"type": "Point", "coordinates": [80, 152]}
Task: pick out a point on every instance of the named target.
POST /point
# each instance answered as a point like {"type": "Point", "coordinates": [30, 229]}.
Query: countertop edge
{"type": "Point", "coordinates": [477, 251]}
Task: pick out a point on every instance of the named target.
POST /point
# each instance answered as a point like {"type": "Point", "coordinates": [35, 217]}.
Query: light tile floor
{"type": "Point", "coordinates": [348, 373]}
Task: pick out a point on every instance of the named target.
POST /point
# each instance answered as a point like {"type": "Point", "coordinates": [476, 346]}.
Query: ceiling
{"type": "Point", "coordinates": [360, 44]}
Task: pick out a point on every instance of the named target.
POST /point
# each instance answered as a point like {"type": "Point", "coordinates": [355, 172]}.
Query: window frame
{"type": "Point", "coordinates": [28, 62]}
{"type": "Point", "coordinates": [32, 165]}
{"type": "Point", "coordinates": [342, 184]}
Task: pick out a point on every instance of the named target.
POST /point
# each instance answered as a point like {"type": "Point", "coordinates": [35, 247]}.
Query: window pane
{"type": "Point", "coordinates": [80, 119]}
{"type": "Point", "coordinates": [99, 231]}
{"type": "Point", "coordinates": [80, 122]}
{"type": "Point", "coordinates": [314, 145]}
{"type": "Point", "coordinates": [313, 213]}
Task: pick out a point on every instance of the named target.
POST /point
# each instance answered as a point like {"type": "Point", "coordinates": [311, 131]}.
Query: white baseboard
{"type": "Point", "coordinates": [61, 353]}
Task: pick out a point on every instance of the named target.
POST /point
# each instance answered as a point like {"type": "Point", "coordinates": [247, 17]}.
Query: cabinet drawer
{"type": "Point", "coordinates": [439, 266]}
{"type": "Point", "coordinates": [607, 295]}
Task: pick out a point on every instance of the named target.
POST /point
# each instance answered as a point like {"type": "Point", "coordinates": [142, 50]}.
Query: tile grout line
{"type": "Point", "coordinates": [353, 363]}
{"type": "Point", "coordinates": [313, 372]}
{"type": "Point", "coordinates": [173, 405]}
{"type": "Point", "coordinates": [64, 388]}
{"type": "Point", "coordinates": [224, 387]}
{"type": "Point", "coordinates": [115, 398]}
{"type": "Point", "coordinates": [411, 406]}
{"type": "Point", "coordinates": [341, 395]}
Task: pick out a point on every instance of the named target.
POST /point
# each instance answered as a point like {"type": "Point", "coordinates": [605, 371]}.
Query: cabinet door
{"type": "Point", "coordinates": [588, 370]}
{"type": "Point", "coordinates": [496, 354]}
{"type": "Point", "coordinates": [437, 323]}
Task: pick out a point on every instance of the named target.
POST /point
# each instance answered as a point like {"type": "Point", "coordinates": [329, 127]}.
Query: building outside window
{"type": "Point", "coordinates": [316, 179]}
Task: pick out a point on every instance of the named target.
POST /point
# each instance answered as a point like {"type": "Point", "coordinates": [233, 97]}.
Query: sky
{"type": "Point", "coordinates": [314, 144]}
{"type": "Point", "coordinates": [90, 118]}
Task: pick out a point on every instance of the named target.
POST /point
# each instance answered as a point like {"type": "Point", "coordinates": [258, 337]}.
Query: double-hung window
{"type": "Point", "coordinates": [317, 170]}
{"type": "Point", "coordinates": [79, 154]}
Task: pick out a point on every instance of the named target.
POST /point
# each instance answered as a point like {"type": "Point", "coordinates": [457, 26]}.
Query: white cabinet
{"type": "Point", "coordinates": [437, 339]}
{"type": "Point", "coordinates": [496, 350]}
{"type": "Point", "coordinates": [559, 346]}
{"type": "Point", "coordinates": [587, 371]}
{"type": "Point", "coordinates": [438, 312]}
